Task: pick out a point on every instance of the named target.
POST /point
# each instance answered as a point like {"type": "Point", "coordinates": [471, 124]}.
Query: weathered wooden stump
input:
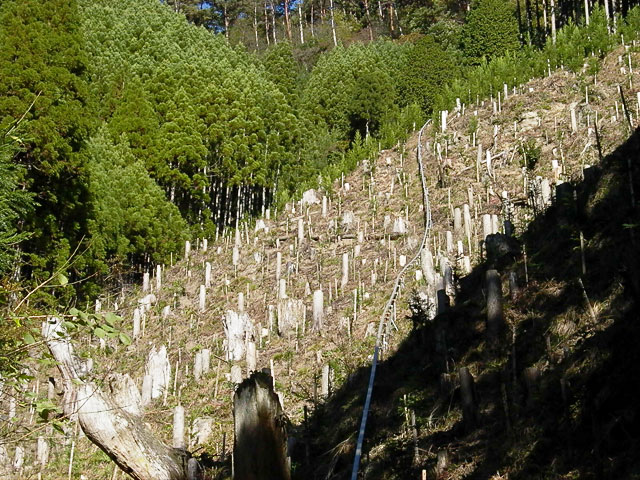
{"type": "Point", "coordinates": [495, 320]}
{"type": "Point", "coordinates": [468, 397]}
{"type": "Point", "coordinates": [260, 445]}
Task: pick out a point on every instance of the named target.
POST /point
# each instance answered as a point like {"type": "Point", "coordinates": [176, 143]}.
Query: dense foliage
{"type": "Point", "coordinates": [42, 67]}
{"type": "Point", "coordinates": [490, 31]}
{"type": "Point", "coordinates": [128, 129]}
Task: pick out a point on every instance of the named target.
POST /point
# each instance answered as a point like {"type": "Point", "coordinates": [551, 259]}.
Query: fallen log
{"type": "Point", "coordinates": [108, 423]}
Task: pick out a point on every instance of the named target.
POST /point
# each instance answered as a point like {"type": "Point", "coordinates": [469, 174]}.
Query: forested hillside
{"type": "Point", "coordinates": [195, 133]}
{"type": "Point", "coordinates": [168, 145]}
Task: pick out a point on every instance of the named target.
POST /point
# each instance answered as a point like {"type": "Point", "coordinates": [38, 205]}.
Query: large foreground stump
{"type": "Point", "coordinates": [260, 446]}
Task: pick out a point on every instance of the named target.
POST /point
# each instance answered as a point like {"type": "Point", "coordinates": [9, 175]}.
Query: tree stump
{"type": "Point", "coordinates": [426, 264]}
{"type": "Point", "coordinates": [468, 397]}
{"type": "Point", "coordinates": [495, 320]}
{"type": "Point", "coordinates": [290, 313]}
{"type": "Point", "coordinates": [318, 310]}
{"type": "Point", "coordinates": [159, 368]}
{"type": "Point", "coordinates": [260, 445]}
{"type": "Point", "coordinates": [345, 270]}
{"type": "Point", "coordinates": [235, 327]}
{"type": "Point", "coordinates": [178, 427]}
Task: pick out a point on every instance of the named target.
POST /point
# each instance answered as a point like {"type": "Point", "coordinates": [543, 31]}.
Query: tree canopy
{"type": "Point", "coordinates": [490, 30]}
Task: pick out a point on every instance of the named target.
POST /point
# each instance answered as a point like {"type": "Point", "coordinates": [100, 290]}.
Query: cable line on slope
{"type": "Point", "coordinates": [390, 302]}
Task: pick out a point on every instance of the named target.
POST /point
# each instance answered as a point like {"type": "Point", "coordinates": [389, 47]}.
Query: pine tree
{"type": "Point", "coordinates": [281, 69]}
{"type": "Point", "coordinates": [15, 204]}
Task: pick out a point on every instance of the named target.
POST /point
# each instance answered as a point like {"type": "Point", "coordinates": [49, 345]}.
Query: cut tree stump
{"type": "Point", "coordinates": [468, 396]}
{"type": "Point", "coordinates": [260, 445]}
{"type": "Point", "coordinates": [495, 320]}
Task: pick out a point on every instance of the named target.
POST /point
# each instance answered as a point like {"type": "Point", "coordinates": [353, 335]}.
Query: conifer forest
{"type": "Point", "coordinates": [319, 239]}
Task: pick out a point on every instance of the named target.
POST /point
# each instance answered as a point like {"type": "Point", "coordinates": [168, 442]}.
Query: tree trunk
{"type": "Point", "coordinates": [273, 23]}
{"type": "Point", "coordinates": [553, 21]}
{"type": "Point", "coordinates": [333, 25]}
{"type": "Point", "coordinates": [538, 35]}
{"type": "Point", "coordinates": [266, 24]}
{"type": "Point", "coordinates": [226, 20]}
{"type": "Point", "coordinates": [260, 446]}
{"type": "Point", "coordinates": [318, 310]}
{"type": "Point", "coordinates": [468, 396]}
{"type": "Point", "coordinates": [545, 21]}
{"type": "Point", "coordinates": [613, 14]}
{"type": "Point", "coordinates": [366, 9]}
{"type": "Point", "coordinates": [519, 17]}
{"type": "Point", "coordinates": [527, 6]}
{"type": "Point", "coordinates": [286, 19]}
{"type": "Point", "coordinates": [123, 436]}
{"type": "Point", "coordinates": [301, 25]}
{"type": "Point", "coordinates": [586, 11]}
{"type": "Point", "coordinates": [495, 321]}
{"type": "Point", "coordinates": [255, 22]}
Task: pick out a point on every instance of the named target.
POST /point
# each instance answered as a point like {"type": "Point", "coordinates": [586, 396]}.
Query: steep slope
{"type": "Point", "coordinates": [552, 393]}
{"type": "Point", "coordinates": [363, 210]}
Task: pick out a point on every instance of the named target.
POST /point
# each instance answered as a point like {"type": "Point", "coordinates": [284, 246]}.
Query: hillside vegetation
{"type": "Point", "coordinates": [522, 431]}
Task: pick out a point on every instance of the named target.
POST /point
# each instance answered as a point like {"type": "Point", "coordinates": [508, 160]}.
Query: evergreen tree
{"type": "Point", "coordinates": [428, 69]}
{"type": "Point", "coordinates": [15, 204]}
{"type": "Point", "coordinates": [135, 119]}
{"type": "Point", "coordinates": [491, 30]}
{"type": "Point", "coordinates": [281, 69]}
{"type": "Point", "coordinates": [42, 74]}
{"type": "Point", "coordinates": [130, 215]}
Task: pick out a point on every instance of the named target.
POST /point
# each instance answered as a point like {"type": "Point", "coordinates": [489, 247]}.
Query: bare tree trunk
{"type": "Point", "coordinates": [613, 14]}
{"type": "Point", "coordinates": [519, 16]}
{"type": "Point", "coordinates": [260, 446]}
{"type": "Point", "coordinates": [333, 25]}
{"type": "Point", "coordinates": [537, 21]}
{"type": "Point", "coordinates": [527, 6]}
{"type": "Point", "coordinates": [266, 24]}
{"type": "Point", "coordinates": [395, 10]}
{"type": "Point", "coordinates": [273, 22]}
{"type": "Point", "coordinates": [255, 22]}
{"type": "Point", "coordinates": [468, 396]}
{"type": "Point", "coordinates": [226, 20]}
{"type": "Point", "coordinates": [495, 320]}
{"type": "Point", "coordinates": [301, 25]}
{"type": "Point", "coordinates": [366, 9]}
{"type": "Point", "coordinates": [118, 432]}
{"type": "Point", "coordinates": [545, 20]}
{"type": "Point", "coordinates": [586, 11]}
{"type": "Point", "coordinates": [286, 19]}
{"type": "Point", "coordinates": [553, 21]}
